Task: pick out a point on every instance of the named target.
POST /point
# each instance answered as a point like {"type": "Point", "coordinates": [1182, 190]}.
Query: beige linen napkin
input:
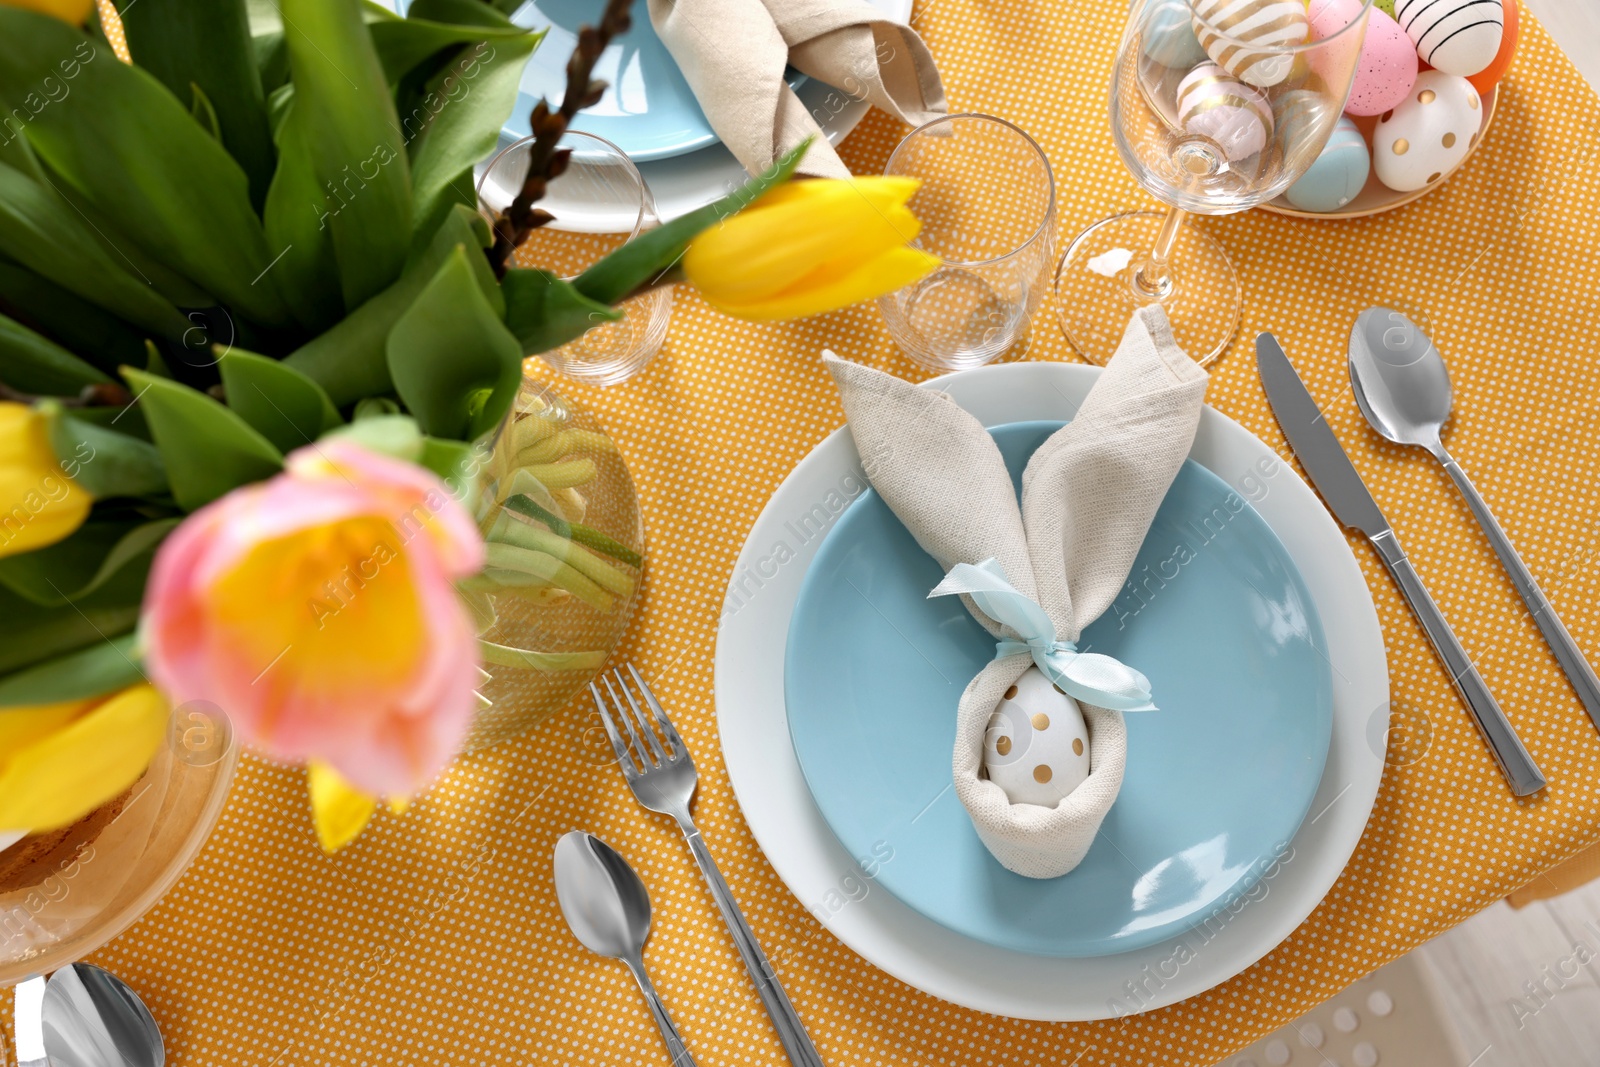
{"type": "Point", "coordinates": [1088, 496]}
{"type": "Point", "coordinates": [733, 53]}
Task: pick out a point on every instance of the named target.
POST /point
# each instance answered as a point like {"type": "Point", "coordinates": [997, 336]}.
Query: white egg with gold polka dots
{"type": "Point", "coordinates": [1428, 133]}
{"type": "Point", "coordinates": [1037, 746]}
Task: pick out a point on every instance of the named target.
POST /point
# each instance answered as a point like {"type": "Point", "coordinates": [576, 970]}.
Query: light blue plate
{"type": "Point", "coordinates": [648, 111]}
{"type": "Point", "coordinates": [1218, 780]}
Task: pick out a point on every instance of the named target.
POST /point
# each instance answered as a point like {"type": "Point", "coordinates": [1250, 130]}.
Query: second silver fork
{"type": "Point", "coordinates": [663, 779]}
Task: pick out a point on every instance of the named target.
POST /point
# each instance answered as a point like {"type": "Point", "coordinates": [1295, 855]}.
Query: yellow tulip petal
{"type": "Point", "coordinates": [896, 268]}
{"type": "Point", "coordinates": [339, 809]}
{"type": "Point", "coordinates": [39, 505]}
{"type": "Point", "coordinates": [74, 11]}
{"type": "Point", "coordinates": [61, 777]}
{"type": "Point", "coordinates": [23, 726]}
{"type": "Point", "coordinates": [770, 246]}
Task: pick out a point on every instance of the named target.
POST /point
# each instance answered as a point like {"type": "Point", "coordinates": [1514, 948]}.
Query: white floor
{"type": "Point", "coordinates": [1575, 25]}
{"type": "Point", "coordinates": [1522, 988]}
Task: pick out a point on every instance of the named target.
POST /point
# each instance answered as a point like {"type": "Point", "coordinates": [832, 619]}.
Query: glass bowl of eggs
{"type": "Point", "coordinates": [1422, 102]}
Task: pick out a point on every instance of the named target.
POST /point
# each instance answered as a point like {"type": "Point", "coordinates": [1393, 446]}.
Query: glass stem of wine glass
{"type": "Point", "coordinates": [1154, 279]}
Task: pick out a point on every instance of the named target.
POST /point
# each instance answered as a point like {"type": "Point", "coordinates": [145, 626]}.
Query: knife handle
{"type": "Point", "coordinates": [1521, 773]}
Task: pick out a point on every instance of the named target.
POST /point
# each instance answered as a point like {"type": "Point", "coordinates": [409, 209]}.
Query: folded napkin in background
{"type": "Point", "coordinates": [1088, 496]}
{"type": "Point", "coordinates": [733, 54]}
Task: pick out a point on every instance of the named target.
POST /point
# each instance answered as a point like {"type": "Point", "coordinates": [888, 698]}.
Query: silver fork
{"type": "Point", "coordinates": [663, 779]}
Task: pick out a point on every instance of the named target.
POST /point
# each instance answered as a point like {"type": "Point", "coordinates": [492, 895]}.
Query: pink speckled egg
{"type": "Point", "coordinates": [1388, 65]}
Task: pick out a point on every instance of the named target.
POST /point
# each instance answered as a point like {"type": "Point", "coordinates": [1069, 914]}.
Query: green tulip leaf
{"type": "Point", "coordinates": [108, 461]}
{"type": "Point", "coordinates": [208, 449]}
{"type": "Point", "coordinates": [288, 408]}
{"type": "Point", "coordinates": [353, 137]}
{"type": "Point", "coordinates": [653, 253]}
{"type": "Point", "coordinates": [452, 360]}
{"type": "Point", "coordinates": [34, 364]}
{"type": "Point", "coordinates": [404, 44]}
{"type": "Point", "coordinates": [41, 231]}
{"type": "Point", "coordinates": [479, 90]}
{"type": "Point", "coordinates": [31, 633]}
{"type": "Point", "coordinates": [72, 568]}
{"type": "Point", "coordinates": [450, 460]}
{"type": "Point", "coordinates": [296, 221]}
{"type": "Point", "coordinates": [350, 360]}
{"type": "Point", "coordinates": [545, 312]}
{"type": "Point", "coordinates": [97, 335]}
{"type": "Point", "coordinates": [202, 52]}
{"type": "Point", "coordinates": [206, 114]}
{"type": "Point", "coordinates": [389, 435]}
{"type": "Point", "coordinates": [129, 147]}
{"type": "Point", "coordinates": [104, 667]}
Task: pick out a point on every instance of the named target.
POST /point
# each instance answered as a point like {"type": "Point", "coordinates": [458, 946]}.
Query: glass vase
{"type": "Point", "coordinates": [558, 510]}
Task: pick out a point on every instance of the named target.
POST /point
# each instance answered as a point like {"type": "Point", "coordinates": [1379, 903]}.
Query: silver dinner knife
{"type": "Point", "coordinates": [1352, 504]}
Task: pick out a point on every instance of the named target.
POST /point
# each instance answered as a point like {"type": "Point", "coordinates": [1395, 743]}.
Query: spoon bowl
{"type": "Point", "coordinates": [607, 908]}
{"type": "Point", "coordinates": [1399, 378]}
{"type": "Point", "coordinates": [92, 1019]}
{"type": "Point", "coordinates": [603, 900]}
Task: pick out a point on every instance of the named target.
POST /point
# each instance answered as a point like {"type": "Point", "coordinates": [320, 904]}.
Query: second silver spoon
{"type": "Point", "coordinates": [1403, 389]}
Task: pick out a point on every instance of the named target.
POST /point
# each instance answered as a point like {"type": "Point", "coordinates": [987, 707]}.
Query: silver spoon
{"type": "Point", "coordinates": [88, 1018]}
{"type": "Point", "coordinates": [1403, 389]}
{"type": "Point", "coordinates": [606, 905]}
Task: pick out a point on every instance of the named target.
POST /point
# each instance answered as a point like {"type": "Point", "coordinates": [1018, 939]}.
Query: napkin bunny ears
{"type": "Point", "coordinates": [1088, 496]}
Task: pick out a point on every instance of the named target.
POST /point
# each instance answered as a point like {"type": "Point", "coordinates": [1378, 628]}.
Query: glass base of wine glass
{"type": "Point", "coordinates": [1098, 287]}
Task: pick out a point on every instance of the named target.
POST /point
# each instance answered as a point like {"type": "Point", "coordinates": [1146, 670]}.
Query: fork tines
{"type": "Point", "coordinates": [642, 745]}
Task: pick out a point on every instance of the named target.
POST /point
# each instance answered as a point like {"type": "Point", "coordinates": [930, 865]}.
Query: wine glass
{"type": "Point", "coordinates": [599, 203]}
{"type": "Point", "coordinates": [1216, 106]}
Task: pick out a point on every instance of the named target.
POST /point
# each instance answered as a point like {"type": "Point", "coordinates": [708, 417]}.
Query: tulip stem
{"type": "Point", "coordinates": [506, 656]}
{"type": "Point", "coordinates": [542, 565]}
{"type": "Point", "coordinates": [584, 535]}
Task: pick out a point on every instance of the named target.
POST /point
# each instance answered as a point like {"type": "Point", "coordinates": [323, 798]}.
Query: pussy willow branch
{"type": "Point", "coordinates": [545, 160]}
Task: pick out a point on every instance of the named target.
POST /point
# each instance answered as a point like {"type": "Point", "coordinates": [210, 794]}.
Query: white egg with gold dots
{"type": "Point", "coordinates": [1037, 745]}
{"type": "Point", "coordinates": [1428, 133]}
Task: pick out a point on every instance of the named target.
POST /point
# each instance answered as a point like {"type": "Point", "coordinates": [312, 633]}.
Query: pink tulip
{"type": "Point", "coordinates": [317, 610]}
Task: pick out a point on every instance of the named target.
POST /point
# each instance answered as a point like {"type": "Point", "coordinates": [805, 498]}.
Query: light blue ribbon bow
{"type": "Point", "coordinates": [1103, 681]}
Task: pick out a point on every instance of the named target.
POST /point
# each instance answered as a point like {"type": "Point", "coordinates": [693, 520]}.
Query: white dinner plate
{"type": "Point", "coordinates": [838, 890]}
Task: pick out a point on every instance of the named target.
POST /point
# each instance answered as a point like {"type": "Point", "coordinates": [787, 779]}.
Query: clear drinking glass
{"type": "Point", "coordinates": [1209, 140]}
{"type": "Point", "coordinates": [599, 203]}
{"type": "Point", "coordinates": [987, 204]}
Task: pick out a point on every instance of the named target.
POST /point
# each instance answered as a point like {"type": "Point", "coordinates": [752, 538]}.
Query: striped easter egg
{"type": "Point", "coordinates": [1228, 28]}
{"type": "Point", "coordinates": [1213, 105]}
{"type": "Point", "coordinates": [1455, 36]}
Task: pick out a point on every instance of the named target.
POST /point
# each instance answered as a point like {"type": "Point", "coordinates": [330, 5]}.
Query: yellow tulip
{"type": "Point", "coordinates": [58, 762]}
{"type": "Point", "coordinates": [339, 810]}
{"type": "Point", "coordinates": [39, 504]}
{"type": "Point", "coordinates": [73, 11]}
{"type": "Point", "coordinates": [808, 247]}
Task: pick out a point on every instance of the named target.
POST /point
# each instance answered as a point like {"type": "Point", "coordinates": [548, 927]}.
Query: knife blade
{"type": "Point", "coordinates": [1314, 443]}
{"type": "Point", "coordinates": [1347, 496]}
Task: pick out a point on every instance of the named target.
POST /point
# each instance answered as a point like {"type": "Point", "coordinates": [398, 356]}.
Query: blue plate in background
{"type": "Point", "coordinates": [1217, 781]}
{"type": "Point", "coordinates": [648, 109]}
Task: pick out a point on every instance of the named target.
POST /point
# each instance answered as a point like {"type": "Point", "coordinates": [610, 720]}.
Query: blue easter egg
{"type": "Point", "coordinates": [1338, 173]}
{"type": "Point", "coordinates": [1168, 34]}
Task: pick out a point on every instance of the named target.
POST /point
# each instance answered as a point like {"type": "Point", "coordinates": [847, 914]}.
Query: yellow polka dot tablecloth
{"type": "Point", "coordinates": [436, 939]}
